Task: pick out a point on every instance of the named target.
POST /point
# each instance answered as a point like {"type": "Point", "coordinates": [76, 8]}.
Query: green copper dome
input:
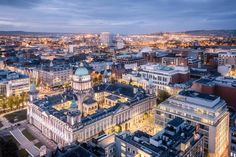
{"type": "Point", "coordinates": [81, 70]}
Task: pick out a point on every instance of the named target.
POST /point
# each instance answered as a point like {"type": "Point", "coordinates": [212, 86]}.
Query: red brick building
{"type": "Point", "coordinates": [152, 57]}
{"type": "Point", "coordinates": [117, 70]}
{"type": "Point", "coordinates": [180, 78]}
{"type": "Point", "coordinates": [225, 87]}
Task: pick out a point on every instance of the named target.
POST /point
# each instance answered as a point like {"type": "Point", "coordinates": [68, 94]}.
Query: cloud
{"type": "Point", "coordinates": [9, 23]}
{"type": "Point", "coordinates": [124, 16]}
{"type": "Point", "coordinates": [20, 3]}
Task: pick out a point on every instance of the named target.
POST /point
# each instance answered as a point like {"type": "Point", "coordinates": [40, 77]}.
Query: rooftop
{"type": "Point", "coordinates": [112, 97]}
{"type": "Point", "coordinates": [89, 101]}
{"type": "Point", "coordinates": [166, 142]}
{"type": "Point", "coordinates": [55, 68]}
{"type": "Point", "coordinates": [6, 75]}
{"type": "Point", "coordinates": [81, 71]}
{"type": "Point", "coordinates": [221, 80]}
{"type": "Point", "coordinates": [73, 151]}
{"type": "Point", "coordinates": [228, 53]}
{"type": "Point", "coordinates": [204, 81]}
{"type": "Point", "coordinates": [47, 103]}
{"type": "Point", "coordinates": [117, 89]}
{"type": "Point", "coordinates": [163, 69]}
{"type": "Point", "coordinates": [176, 122]}
{"type": "Point", "coordinates": [194, 94]}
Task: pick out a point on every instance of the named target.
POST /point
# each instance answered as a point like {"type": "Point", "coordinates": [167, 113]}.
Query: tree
{"type": "Point", "coordinates": [95, 80]}
{"type": "Point", "coordinates": [99, 78]}
{"type": "Point", "coordinates": [162, 96]}
{"type": "Point", "coordinates": [17, 101]}
{"type": "Point", "coordinates": [21, 100]}
{"type": "Point", "coordinates": [24, 97]}
{"type": "Point", "coordinates": [67, 85]}
{"type": "Point", "coordinates": [117, 128]}
{"type": "Point", "coordinates": [113, 80]}
{"type": "Point", "coordinates": [3, 104]}
{"type": "Point", "coordinates": [8, 148]}
{"type": "Point", "coordinates": [10, 102]}
{"type": "Point", "coordinates": [130, 81]}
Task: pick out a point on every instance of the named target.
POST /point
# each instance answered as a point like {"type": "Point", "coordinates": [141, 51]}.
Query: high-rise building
{"type": "Point", "coordinates": [71, 48]}
{"type": "Point", "coordinates": [208, 112]}
{"type": "Point", "coordinates": [232, 147]}
{"type": "Point", "coordinates": [106, 39]}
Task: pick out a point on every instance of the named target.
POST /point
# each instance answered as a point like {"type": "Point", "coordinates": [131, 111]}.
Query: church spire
{"type": "Point", "coordinates": [51, 64]}
{"type": "Point", "coordinates": [33, 93]}
{"type": "Point", "coordinates": [81, 64]}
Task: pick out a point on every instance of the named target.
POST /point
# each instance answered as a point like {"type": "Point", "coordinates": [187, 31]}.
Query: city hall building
{"type": "Point", "coordinates": [85, 111]}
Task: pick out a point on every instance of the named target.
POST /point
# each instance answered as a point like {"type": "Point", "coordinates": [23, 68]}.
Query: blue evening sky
{"type": "Point", "coordinates": [118, 16]}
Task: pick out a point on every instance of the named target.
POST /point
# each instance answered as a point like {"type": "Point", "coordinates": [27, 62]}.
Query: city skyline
{"type": "Point", "coordinates": [125, 78]}
{"type": "Point", "coordinates": [118, 17]}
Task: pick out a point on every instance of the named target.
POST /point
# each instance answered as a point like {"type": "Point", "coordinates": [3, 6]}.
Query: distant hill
{"type": "Point", "coordinates": [30, 33]}
{"type": "Point", "coordinates": [193, 32]}
{"type": "Point", "coordinates": [212, 32]}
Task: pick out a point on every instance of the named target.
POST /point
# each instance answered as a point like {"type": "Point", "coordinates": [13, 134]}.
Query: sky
{"type": "Point", "coordinates": [117, 16]}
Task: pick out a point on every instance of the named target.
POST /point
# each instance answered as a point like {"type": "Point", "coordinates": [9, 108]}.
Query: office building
{"type": "Point", "coordinates": [130, 61]}
{"type": "Point", "coordinates": [177, 61]}
{"type": "Point", "coordinates": [162, 75]}
{"type": "Point", "coordinates": [13, 83]}
{"type": "Point", "coordinates": [54, 75]}
{"type": "Point", "coordinates": [227, 58]}
{"type": "Point", "coordinates": [208, 112]}
{"type": "Point", "coordinates": [157, 76]}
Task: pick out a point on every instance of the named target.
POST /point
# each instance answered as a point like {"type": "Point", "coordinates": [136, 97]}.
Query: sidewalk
{"type": "Point", "coordinates": [25, 143]}
{"type": "Point", "coordinates": [5, 123]}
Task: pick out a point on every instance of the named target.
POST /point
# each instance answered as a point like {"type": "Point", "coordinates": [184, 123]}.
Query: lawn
{"type": "Point", "coordinates": [16, 116]}
{"type": "Point", "coordinates": [23, 153]}
{"type": "Point", "coordinates": [28, 135]}
{"type": "Point", "coordinates": [38, 145]}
